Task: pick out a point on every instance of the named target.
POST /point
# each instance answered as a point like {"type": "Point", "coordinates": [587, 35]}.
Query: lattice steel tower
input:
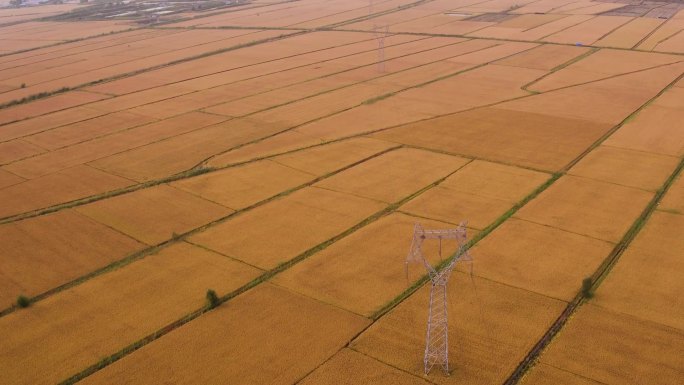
{"type": "Point", "coordinates": [380, 33]}
{"type": "Point", "coordinates": [437, 339]}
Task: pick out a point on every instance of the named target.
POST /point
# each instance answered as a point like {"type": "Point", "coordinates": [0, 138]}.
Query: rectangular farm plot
{"type": "Point", "coordinates": [645, 284]}
{"type": "Point", "coordinates": [140, 298]}
{"type": "Point", "coordinates": [626, 167]}
{"type": "Point", "coordinates": [452, 206]}
{"type": "Point", "coordinates": [366, 268]}
{"type": "Point", "coordinates": [394, 175]}
{"type": "Point", "coordinates": [241, 338]}
{"type": "Point", "coordinates": [491, 327]}
{"type": "Point", "coordinates": [617, 349]}
{"type": "Point", "coordinates": [282, 229]}
{"type": "Point", "coordinates": [61, 187]}
{"type": "Point", "coordinates": [42, 253]}
{"type": "Point", "coordinates": [375, 116]}
{"type": "Point", "coordinates": [662, 235]}
{"type": "Point", "coordinates": [242, 186]}
{"type": "Point", "coordinates": [494, 180]}
{"type": "Point", "coordinates": [349, 367]}
{"type": "Point", "coordinates": [480, 192]}
{"type": "Point", "coordinates": [584, 206]}
{"type": "Point", "coordinates": [544, 57]}
{"type": "Point", "coordinates": [321, 160]}
{"type": "Point", "coordinates": [522, 138]}
{"type": "Point", "coordinates": [154, 214]}
{"type": "Point", "coordinates": [656, 128]}
{"type": "Point", "coordinates": [538, 258]}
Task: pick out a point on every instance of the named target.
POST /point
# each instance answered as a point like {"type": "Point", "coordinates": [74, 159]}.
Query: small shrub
{"type": "Point", "coordinates": [23, 301]}
{"type": "Point", "coordinates": [23, 85]}
{"type": "Point", "coordinates": [212, 299]}
{"type": "Point", "coordinates": [587, 290]}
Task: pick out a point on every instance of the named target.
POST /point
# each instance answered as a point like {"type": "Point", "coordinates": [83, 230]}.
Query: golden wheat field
{"type": "Point", "coordinates": [225, 192]}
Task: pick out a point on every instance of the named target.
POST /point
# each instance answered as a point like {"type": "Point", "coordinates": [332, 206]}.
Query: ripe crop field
{"type": "Point", "coordinates": [228, 195]}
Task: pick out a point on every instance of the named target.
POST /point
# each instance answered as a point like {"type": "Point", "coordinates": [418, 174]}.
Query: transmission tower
{"type": "Point", "coordinates": [380, 33]}
{"type": "Point", "coordinates": [437, 339]}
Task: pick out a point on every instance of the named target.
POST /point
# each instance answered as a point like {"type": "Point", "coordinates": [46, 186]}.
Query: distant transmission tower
{"type": "Point", "coordinates": [437, 339]}
{"type": "Point", "coordinates": [380, 33]}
